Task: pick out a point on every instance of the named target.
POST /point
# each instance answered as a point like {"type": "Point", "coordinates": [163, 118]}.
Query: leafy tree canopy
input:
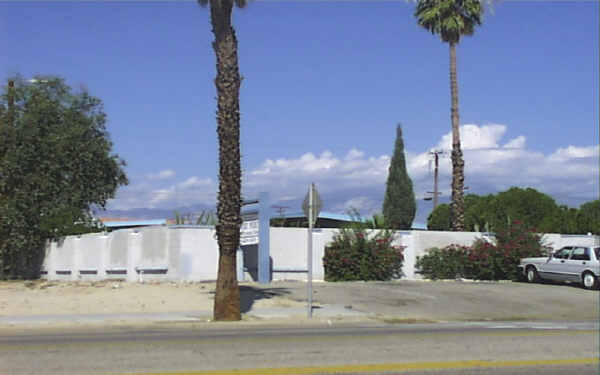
{"type": "Point", "coordinates": [527, 205]}
{"type": "Point", "coordinates": [439, 219]}
{"type": "Point", "coordinates": [536, 209]}
{"type": "Point", "coordinates": [56, 164]}
{"type": "Point", "coordinates": [588, 217]}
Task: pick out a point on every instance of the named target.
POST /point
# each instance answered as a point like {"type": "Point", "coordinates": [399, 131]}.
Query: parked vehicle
{"type": "Point", "coordinates": [578, 264]}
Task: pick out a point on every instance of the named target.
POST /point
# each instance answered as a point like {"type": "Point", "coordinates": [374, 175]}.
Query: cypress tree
{"type": "Point", "coordinates": [399, 205]}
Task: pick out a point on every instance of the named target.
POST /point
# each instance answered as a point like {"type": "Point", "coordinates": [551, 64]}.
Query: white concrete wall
{"type": "Point", "coordinates": [65, 259]}
{"type": "Point", "coordinates": [91, 257]}
{"type": "Point", "coordinates": [406, 240]}
{"type": "Point", "coordinates": [117, 249]}
{"type": "Point", "coordinates": [289, 250]}
{"type": "Point", "coordinates": [192, 253]}
{"type": "Point", "coordinates": [199, 251]}
{"type": "Point", "coordinates": [556, 241]}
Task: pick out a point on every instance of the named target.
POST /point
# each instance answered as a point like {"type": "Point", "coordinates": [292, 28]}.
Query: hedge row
{"type": "Point", "coordinates": [484, 260]}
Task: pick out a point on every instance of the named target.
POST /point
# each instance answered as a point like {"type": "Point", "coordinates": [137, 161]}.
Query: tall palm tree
{"type": "Point", "coordinates": [227, 82]}
{"type": "Point", "coordinates": [451, 19]}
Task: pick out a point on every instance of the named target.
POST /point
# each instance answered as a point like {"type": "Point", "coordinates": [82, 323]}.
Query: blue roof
{"type": "Point", "coordinates": [333, 216]}
{"type": "Point", "coordinates": [322, 215]}
{"type": "Point", "coordinates": [136, 223]}
{"type": "Point", "coordinates": [416, 225]}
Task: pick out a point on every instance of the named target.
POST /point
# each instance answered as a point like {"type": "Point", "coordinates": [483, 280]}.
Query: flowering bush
{"type": "Point", "coordinates": [360, 254]}
{"type": "Point", "coordinates": [521, 240]}
{"type": "Point", "coordinates": [484, 260]}
{"type": "Point", "coordinates": [445, 263]}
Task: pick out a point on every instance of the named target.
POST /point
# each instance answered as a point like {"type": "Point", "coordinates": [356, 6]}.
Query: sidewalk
{"type": "Point", "coordinates": [295, 313]}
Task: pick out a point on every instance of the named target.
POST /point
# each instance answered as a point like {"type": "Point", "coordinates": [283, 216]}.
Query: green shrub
{"type": "Point", "coordinates": [484, 260]}
{"type": "Point", "coordinates": [360, 254]}
{"type": "Point", "coordinates": [445, 263]}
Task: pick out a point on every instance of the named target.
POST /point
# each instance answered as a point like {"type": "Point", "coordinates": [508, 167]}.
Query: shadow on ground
{"type": "Point", "coordinates": [249, 294]}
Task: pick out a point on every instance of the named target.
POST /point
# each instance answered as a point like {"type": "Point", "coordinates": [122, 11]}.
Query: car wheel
{"type": "Point", "coordinates": [589, 281]}
{"type": "Point", "coordinates": [532, 275]}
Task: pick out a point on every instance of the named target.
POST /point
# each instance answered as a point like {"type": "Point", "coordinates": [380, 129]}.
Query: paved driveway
{"type": "Point", "coordinates": [448, 300]}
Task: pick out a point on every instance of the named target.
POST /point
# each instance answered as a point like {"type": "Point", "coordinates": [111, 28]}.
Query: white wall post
{"type": "Point", "coordinates": [76, 261]}
{"type": "Point", "coordinates": [51, 261]}
{"type": "Point", "coordinates": [408, 268]}
{"type": "Point", "coordinates": [103, 257]}
{"type": "Point", "coordinates": [134, 249]}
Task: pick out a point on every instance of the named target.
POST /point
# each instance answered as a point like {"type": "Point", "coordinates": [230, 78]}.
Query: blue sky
{"type": "Point", "coordinates": [325, 84]}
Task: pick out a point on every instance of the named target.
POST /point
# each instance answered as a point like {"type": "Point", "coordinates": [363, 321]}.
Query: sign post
{"type": "Point", "coordinates": [255, 231]}
{"type": "Point", "coordinates": [311, 206]}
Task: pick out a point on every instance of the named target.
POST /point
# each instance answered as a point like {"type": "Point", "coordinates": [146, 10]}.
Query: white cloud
{"type": "Point", "coordinates": [573, 152]}
{"type": "Point", "coordinates": [194, 182]}
{"type": "Point", "coordinates": [306, 164]}
{"type": "Point", "coordinates": [474, 137]}
{"type": "Point", "coordinates": [193, 190]}
{"type": "Point", "coordinates": [518, 142]}
{"type": "Point", "coordinates": [362, 204]}
{"type": "Point", "coordinates": [289, 178]}
{"type": "Point", "coordinates": [358, 180]}
{"type": "Point", "coordinates": [565, 173]}
{"type": "Point", "coordinates": [162, 175]}
{"type": "Point", "coordinates": [492, 165]}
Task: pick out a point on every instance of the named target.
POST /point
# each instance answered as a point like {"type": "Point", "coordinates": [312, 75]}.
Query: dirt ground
{"type": "Point", "coordinates": [113, 297]}
{"type": "Point", "coordinates": [405, 299]}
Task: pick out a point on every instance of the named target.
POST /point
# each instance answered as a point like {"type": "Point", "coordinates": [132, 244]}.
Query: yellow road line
{"type": "Point", "coordinates": [383, 367]}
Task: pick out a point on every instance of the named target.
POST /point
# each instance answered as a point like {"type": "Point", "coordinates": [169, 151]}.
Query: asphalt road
{"type": "Point", "coordinates": [451, 348]}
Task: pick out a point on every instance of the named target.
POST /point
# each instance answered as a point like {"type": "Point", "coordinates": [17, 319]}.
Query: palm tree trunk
{"type": "Point", "coordinates": [227, 82]}
{"type": "Point", "coordinates": [458, 164]}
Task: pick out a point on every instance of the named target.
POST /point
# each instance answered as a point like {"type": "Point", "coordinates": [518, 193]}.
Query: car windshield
{"type": "Point", "coordinates": [597, 251]}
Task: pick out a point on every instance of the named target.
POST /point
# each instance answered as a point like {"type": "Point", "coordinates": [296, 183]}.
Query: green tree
{"type": "Point", "coordinates": [399, 205]}
{"type": "Point", "coordinates": [451, 19]}
{"type": "Point", "coordinates": [439, 219]}
{"type": "Point", "coordinates": [227, 82]}
{"type": "Point", "coordinates": [477, 215]}
{"type": "Point", "coordinates": [563, 220]}
{"type": "Point", "coordinates": [56, 165]}
{"type": "Point", "coordinates": [588, 217]}
{"type": "Point", "coordinates": [530, 206]}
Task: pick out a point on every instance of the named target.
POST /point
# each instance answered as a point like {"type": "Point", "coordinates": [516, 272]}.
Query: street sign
{"type": "Point", "coordinates": [315, 207]}
{"type": "Point", "coordinates": [249, 233]}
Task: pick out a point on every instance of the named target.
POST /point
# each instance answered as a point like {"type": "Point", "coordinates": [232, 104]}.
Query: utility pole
{"type": "Point", "coordinates": [436, 155]}
{"type": "Point", "coordinates": [281, 211]}
{"type": "Point", "coordinates": [435, 179]}
{"type": "Point", "coordinates": [11, 103]}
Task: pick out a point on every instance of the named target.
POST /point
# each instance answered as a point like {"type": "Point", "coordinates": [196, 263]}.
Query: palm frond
{"type": "Point", "coordinates": [449, 18]}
